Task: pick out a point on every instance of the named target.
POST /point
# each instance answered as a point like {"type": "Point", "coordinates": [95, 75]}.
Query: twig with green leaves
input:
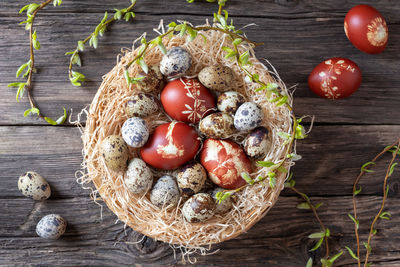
{"type": "Point", "coordinates": [28, 69]}
{"type": "Point", "coordinates": [385, 215]}
{"type": "Point", "coordinates": [75, 77]}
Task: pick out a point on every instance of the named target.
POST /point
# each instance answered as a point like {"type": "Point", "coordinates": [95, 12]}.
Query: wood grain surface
{"type": "Point", "coordinates": [297, 36]}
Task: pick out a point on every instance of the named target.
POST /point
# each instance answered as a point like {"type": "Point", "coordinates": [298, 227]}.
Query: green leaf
{"type": "Point", "coordinates": [171, 25]}
{"type": "Point", "coordinates": [317, 235]}
{"type": "Point", "coordinates": [303, 206]}
{"type": "Point", "coordinates": [127, 78]}
{"type": "Point", "coordinates": [335, 257]}
{"type": "Point", "coordinates": [21, 69]}
{"type": "Point", "coordinates": [13, 84]}
{"type": "Point", "coordinates": [357, 191]}
{"type": "Point", "coordinates": [327, 232]}
{"type": "Point", "coordinates": [20, 91]}
{"type": "Point", "coordinates": [237, 41]}
{"type": "Point", "coordinates": [247, 178]}
{"type": "Point", "coordinates": [318, 205]}
{"type": "Point", "coordinates": [309, 262]}
{"type": "Point", "coordinates": [190, 1]}
{"type": "Point", "coordinates": [300, 132]}
{"type": "Point", "coordinates": [162, 48]}
{"type": "Point", "coordinates": [392, 168]}
{"type": "Point", "coordinates": [143, 65]}
{"type": "Point", "coordinates": [244, 58]}
{"type": "Point", "coordinates": [50, 121]}
{"type": "Point", "coordinates": [93, 41]}
{"type": "Point", "coordinates": [263, 87]}
{"type": "Point", "coordinates": [183, 29]}
{"type": "Point", "coordinates": [282, 101]}
{"type": "Point", "coordinates": [366, 165]}
{"type": "Point", "coordinates": [69, 53]}
{"type": "Point", "coordinates": [387, 189]}
{"type": "Point", "coordinates": [352, 254]}
{"type": "Point", "coordinates": [127, 16]}
{"type": "Point", "coordinates": [272, 182]}
{"type": "Point", "coordinates": [31, 110]}
{"type": "Point", "coordinates": [319, 243]}
{"type": "Point", "coordinates": [81, 46]}
{"type": "Point", "coordinates": [57, 2]}
{"type": "Point", "coordinates": [35, 42]}
{"type": "Point", "coordinates": [282, 169]}
{"type": "Point", "coordinates": [76, 59]}
{"type": "Point", "coordinates": [367, 246]}
{"type": "Point", "coordinates": [354, 220]}
{"type": "Point", "coordinates": [265, 163]}
{"type": "Point", "coordinates": [32, 7]}
{"type": "Point", "coordinates": [192, 34]}
{"type": "Point", "coordinates": [374, 231]}
{"type": "Point", "coordinates": [118, 15]}
{"type": "Point", "coordinates": [62, 119]}
{"type": "Point", "coordinates": [284, 135]}
{"type": "Point", "coordinates": [385, 215]}
{"type": "Point", "coordinates": [24, 8]}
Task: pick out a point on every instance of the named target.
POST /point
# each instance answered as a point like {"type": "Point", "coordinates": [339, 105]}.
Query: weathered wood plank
{"type": "Point", "coordinates": [332, 157]}
{"type": "Point", "coordinates": [374, 103]}
{"type": "Point", "coordinates": [279, 239]}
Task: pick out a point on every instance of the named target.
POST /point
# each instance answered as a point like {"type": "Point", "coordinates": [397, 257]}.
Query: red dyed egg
{"type": "Point", "coordinates": [171, 145]}
{"type": "Point", "coordinates": [187, 100]}
{"type": "Point", "coordinates": [335, 78]}
{"type": "Point", "coordinates": [366, 29]}
{"type": "Point", "coordinates": [225, 161]}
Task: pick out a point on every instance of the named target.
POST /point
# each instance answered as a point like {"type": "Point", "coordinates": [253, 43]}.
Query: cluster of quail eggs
{"type": "Point", "coordinates": [33, 185]}
{"type": "Point", "coordinates": [189, 184]}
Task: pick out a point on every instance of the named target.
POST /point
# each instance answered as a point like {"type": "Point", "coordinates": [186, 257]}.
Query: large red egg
{"type": "Point", "coordinates": [187, 100]}
{"type": "Point", "coordinates": [366, 29]}
{"type": "Point", "coordinates": [224, 161]}
{"type": "Point", "coordinates": [335, 78]}
{"type": "Point", "coordinates": [171, 145]}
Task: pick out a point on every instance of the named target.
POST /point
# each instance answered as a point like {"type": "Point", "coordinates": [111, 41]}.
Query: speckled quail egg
{"type": "Point", "coordinates": [33, 185]}
{"type": "Point", "coordinates": [198, 208]}
{"type": "Point", "coordinates": [225, 204]}
{"type": "Point", "coordinates": [256, 143]}
{"type": "Point", "coordinates": [230, 101]}
{"type": "Point", "coordinates": [139, 177]}
{"type": "Point", "coordinates": [248, 116]}
{"type": "Point", "coordinates": [51, 226]}
{"type": "Point", "coordinates": [153, 80]}
{"type": "Point", "coordinates": [165, 192]}
{"type": "Point", "coordinates": [217, 125]}
{"type": "Point", "coordinates": [217, 77]}
{"type": "Point", "coordinates": [176, 62]}
{"type": "Point", "coordinates": [141, 105]}
{"type": "Point", "coordinates": [115, 152]}
{"type": "Point", "coordinates": [191, 178]}
{"type": "Point", "coordinates": [135, 132]}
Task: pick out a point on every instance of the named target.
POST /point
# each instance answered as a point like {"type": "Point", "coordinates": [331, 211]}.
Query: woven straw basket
{"type": "Point", "coordinates": [106, 116]}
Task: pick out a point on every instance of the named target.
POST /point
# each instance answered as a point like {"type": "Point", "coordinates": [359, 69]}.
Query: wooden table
{"type": "Point", "coordinates": [297, 35]}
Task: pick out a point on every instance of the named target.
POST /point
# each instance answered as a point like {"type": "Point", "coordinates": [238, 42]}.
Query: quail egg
{"type": "Point", "coordinates": [135, 132]}
{"type": "Point", "coordinates": [115, 152]}
{"type": "Point", "coordinates": [225, 204]}
{"type": "Point", "coordinates": [248, 116]}
{"type": "Point", "coordinates": [165, 192]}
{"type": "Point", "coordinates": [198, 208]}
{"type": "Point", "coordinates": [191, 178]}
{"type": "Point", "coordinates": [152, 81]}
{"type": "Point", "coordinates": [176, 62]}
{"type": "Point", "coordinates": [51, 226]}
{"type": "Point", "coordinates": [33, 185]}
{"type": "Point", "coordinates": [141, 105]}
{"type": "Point", "coordinates": [256, 143]}
{"type": "Point", "coordinates": [217, 125]}
{"type": "Point", "coordinates": [230, 101]}
{"type": "Point", "coordinates": [139, 177]}
{"type": "Point", "coordinates": [217, 77]}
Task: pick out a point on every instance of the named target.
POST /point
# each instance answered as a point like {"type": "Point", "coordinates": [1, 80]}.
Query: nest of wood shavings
{"type": "Point", "coordinates": [106, 116]}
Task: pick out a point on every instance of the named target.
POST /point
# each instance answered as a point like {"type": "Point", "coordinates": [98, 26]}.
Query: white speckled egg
{"type": "Point", "coordinates": [115, 152]}
{"type": "Point", "coordinates": [141, 105]}
{"type": "Point", "coordinates": [225, 205]}
{"type": "Point", "coordinates": [198, 208]}
{"type": "Point", "coordinates": [139, 177]}
{"type": "Point", "coordinates": [165, 192]}
{"type": "Point", "coordinates": [248, 116]}
{"type": "Point", "coordinates": [256, 143]}
{"type": "Point", "coordinates": [33, 185]}
{"type": "Point", "coordinates": [217, 77]}
{"type": "Point", "coordinates": [217, 125]}
{"type": "Point", "coordinates": [191, 178]}
{"type": "Point", "coordinates": [135, 132]}
{"type": "Point", "coordinates": [51, 226]}
{"type": "Point", "coordinates": [230, 101]}
{"type": "Point", "coordinates": [153, 80]}
{"type": "Point", "coordinates": [176, 62]}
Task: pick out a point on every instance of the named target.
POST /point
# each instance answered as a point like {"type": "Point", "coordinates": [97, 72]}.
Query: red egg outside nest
{"type": "Point", "coordinates": [225, 161]}
{"type": "Point", "coordinates": [170, 146]}
{"type": "Point", "coordinates": [335, 78]}
{"type": "Point", "coordinates": [187, 100]}
{"type": "Point", "coordinates": [366, 29]}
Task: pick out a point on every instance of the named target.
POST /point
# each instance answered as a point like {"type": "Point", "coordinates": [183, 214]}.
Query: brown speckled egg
{"type": "Point", "coordinates": [256, 143]}
{"type": "Point", "coordinates": [33, 185]}
{"type": "Point", "coordinates": [198, 208]}
{"type": "Point", "coordinates": [191, 178]}
{"type": "Point", "coordinates": [217, 125]}
{"type": "Point", "coordinates": [217, 77]}
{"type": "Point", "coordinates": [153, 80]}
{"type": "Point", "coordinates": [248, 117]}
{"type": "Point", "coordinates": [139, 177]}
{"type": "Point", "coordinates": [165, 192]}
{"type": "Point", "coordinates": [115, 152]}
{"type": "Point", "coordinates": [51, 226]}
{"type": "Point", "coordinates": [176, 62]}
{"type": "Point", "coordinates": [225, 204]}
{"type": "Point", "coordinates": [141, 105]}
{"type": "Point", "coordinates": [230, 101]}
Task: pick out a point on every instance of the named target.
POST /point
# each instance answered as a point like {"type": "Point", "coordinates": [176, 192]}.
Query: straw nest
{"type": "Point", "coordinates": [106, 116]}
